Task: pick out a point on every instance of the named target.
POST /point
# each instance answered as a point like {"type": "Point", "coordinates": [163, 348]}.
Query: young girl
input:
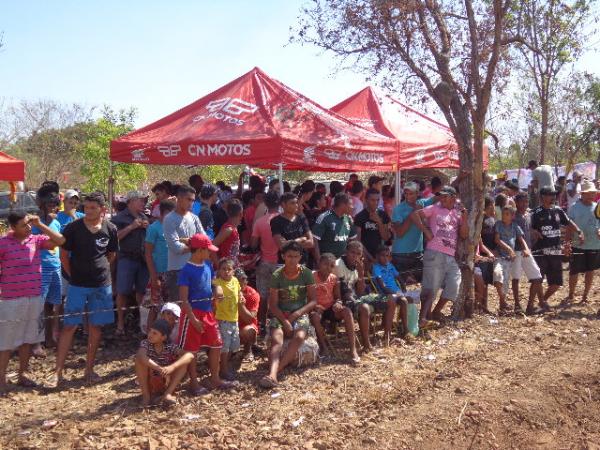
{"type": "Point", "coordinates": [329, 304]}
{"type": "Point", "coordinates": [227, 314]}
{"type": "Point", "coordinates": [248, 321]}
{"type": "Point", "coordinates": [291, 298]}
{"type": "Point", "coordinates": [228, 239]}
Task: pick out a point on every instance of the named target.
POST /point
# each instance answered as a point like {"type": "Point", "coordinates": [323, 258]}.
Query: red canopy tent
{"type": "Point", "coordinates": [11, 169]}
{"type": "Point", "coordinates": [258, 121]}
{"type": "Point", "coordinates": [423, 141]}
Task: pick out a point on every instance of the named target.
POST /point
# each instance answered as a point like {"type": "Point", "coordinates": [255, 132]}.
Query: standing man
{"type": "Point", "coordinates": [291, 226]}
{"type": "Point", "coordinates": [178, 227]}
{"type": "Point", "coordinates": [132, 272]}
{"type": "Point", "coordinates": [526, 264]}
{"type": "Point", "coordinates": [208, 197]}
{"type": "Point", "coordinates": [546, 222]}
{"type": "Point", "coordinates": [334, 228]}
{"type": "Point", "coordinates": [586, 254]}
{"type": "Point", "coordinates": [91, 244]}
{"type": "Point", "coordinates": [443, 224]}
{"type": "Point", "coordinates": [407, 248]}
{"type": "Point", "coordinates": [541, 177]}
{"type": "Point", "coordinates": [574, 189]}
{"type": "Point", "coordinates": [21, 305]}
{"type": "Point", "coordinates": [372, 224]}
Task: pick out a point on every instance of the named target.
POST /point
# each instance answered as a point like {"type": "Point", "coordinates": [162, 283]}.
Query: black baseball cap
{"type": "Point", "coordinates": [547, 191]}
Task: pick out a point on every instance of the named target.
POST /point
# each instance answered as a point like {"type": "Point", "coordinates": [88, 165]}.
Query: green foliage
{"type": "Point", "coordinates": [95, 153]}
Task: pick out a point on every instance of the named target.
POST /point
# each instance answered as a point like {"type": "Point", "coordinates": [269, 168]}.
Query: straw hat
{"type": "Point", "coordinates": [588, 186]}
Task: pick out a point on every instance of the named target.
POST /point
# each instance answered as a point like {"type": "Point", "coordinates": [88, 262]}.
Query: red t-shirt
{"type": "Point", "coordinates": [230, 247]}
{"type": "Point", "coordinates": [252, 302]}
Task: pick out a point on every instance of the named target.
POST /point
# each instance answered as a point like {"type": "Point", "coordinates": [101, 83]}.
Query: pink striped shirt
{"type": "Point", "coordinates": [20, 266]}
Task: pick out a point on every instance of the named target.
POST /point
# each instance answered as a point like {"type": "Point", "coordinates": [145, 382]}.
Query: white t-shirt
{"type": "Point", "coordinates": [350, 276]}
{"type": "Point", "coordinates": [357, 206]}
{"type": "Point", "coordinates": [573, 187]}
{"type": "Point", "coordinates": [545, 176]}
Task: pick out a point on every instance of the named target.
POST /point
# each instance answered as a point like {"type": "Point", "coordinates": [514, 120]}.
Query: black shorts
{"type": "Point", "coordinates": [410, 265]}
{"type": "Point", "coordinates": [487, 271]}
{"type": "Point", "coordinates": [551, 268]}
{"type": "Point", "coordinates": [584, 261]}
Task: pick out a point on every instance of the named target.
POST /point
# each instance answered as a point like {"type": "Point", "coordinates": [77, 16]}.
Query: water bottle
{"type": "Point", "coordinates": [413, 319]}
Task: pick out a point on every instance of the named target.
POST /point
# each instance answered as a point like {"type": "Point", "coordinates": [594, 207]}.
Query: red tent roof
{"type": "Point", "coordinates": [11, 169]}
{"type": "Point", "coordinates": [261, 122]}
{"type": "Point", "coordinates": [423, 141]}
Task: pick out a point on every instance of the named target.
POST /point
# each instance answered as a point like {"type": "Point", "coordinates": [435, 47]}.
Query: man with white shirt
{"type": "Point", "coordinates": [574, 189]}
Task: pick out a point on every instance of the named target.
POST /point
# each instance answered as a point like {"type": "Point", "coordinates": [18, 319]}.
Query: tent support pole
{"type": "Point", "coordinates": [280, 174]}
{"type": "Point", "coordinates": [111, 186]}
{"type": "Point", "coordinates": [398, 187]}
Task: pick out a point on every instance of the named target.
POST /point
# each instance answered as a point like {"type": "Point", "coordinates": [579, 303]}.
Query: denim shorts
{"type": "Point", "coordinates": [52, 286]}
{"type": "Point", "coordinates": [132, 275]}
{"type": "Point", "coordinates": [441, 271]}
{"type": "Point", "coordinates": [96, 301]}
{"type": "Point", "coordinates": [230, 335]}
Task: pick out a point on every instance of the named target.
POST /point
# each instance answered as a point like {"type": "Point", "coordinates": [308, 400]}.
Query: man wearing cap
{"type": "Point", "coordinates": [407, 248]}
{"type": "Point", "coordinates": [178, 227]}
{"type": "Point", "coordinates": [132, 272]}
{"type": "Point", "coordinates": [69, 212]}
{"type": "Point", "coordinates": [443, 224]}
{"type": "Point", "coordinates": [546, 223]}
{"type": "Point", "coordinates": [574, 189]}
{"type": "Point", "coordinates": [208, 197]}
{"type": "Point", "coordinates": [586, 254]}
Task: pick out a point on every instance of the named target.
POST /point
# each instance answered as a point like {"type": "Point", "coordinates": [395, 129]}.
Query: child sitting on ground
{"type": "Point", "coordinates": [227, 314]}
{"type": "Point", "coordinates": [329, 304]}
{"type": "Point", "coordinates": [388, 282]}
{"type": "Point", "coordinates": [198, 327]}
{"type": "Point", "coordinates": [171, 312]}
{"type": "Point", "coordinates": [291, 298]}
{"type": "Point", "coordinates": [248, 315]}
{"type": "Point", "coordinates": [160, 366]}
{"type": "Point", "coordinates": [507, 235]}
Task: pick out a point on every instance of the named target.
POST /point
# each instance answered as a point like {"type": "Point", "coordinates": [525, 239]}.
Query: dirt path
{"type": "Point", "coordinates": [485, 383]}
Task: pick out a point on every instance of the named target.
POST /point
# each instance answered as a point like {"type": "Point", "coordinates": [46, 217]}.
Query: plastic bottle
{"type": "Point", "coordinates": [413, 319]}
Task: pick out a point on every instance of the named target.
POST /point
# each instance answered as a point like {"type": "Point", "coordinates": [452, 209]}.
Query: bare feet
{"type": "Point", "coordinates": [55, 381]}
{"type": "Point", "coordinates": [92, 378]}
{"type": "Point", "coordinates": [168, 400]}
{"type": "Point", "coordinates": [268, 382]}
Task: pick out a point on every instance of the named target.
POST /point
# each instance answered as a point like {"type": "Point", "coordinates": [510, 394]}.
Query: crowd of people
{"type": "Point", "coordinates": [219, 268]}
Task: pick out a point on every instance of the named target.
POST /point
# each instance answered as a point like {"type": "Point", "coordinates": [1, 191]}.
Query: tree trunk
{"type": "Point", "coordinates": [544, 133]}
{"type": "Point", "coordinates": [472, 197]}
{"type": "Point", "coordinates": [598, 165]}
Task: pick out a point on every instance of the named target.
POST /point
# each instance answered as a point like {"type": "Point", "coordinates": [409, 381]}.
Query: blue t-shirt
{"type": "Point", "coordinates": [160, 253]}
{"type": "Point", "coordinates": [508, 234]}
{"type": "Point", "coordinates": [388, 274]}
{"type": "Point", "coordinates": [198, 278]}
{"type": "Point", "coordinates": [65, 219]}
{"type": "Point", "coordinates": [412, 241]}
{"type": "Point", "coordinates": [585, 218]}
{"type": "Point", "coordinates": [196, 207]}
{"type": "Point", "coordinates": [50, 258]}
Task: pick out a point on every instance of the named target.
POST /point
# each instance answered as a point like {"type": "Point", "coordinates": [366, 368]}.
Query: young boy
{"type": "Point", "coordinates": [291, 298]}
{"type": "Point", "coordinates": [388, 283]}
{"type": "Point", "coordinates": [198, 327]}
{"type": "Point", "coordinates": [171, 312]}
{"type": "Point", "coordinates": [329, 304]}
{"type": "Point", "coordinates": [160, 366]}
{"type": "Point", "coordinates": [228, 238]}
{"type": "Point", "coordinates": [156, 255]}
{"type": "Point", "coordinates": [248, 315]}
{"type": "Point", "coordinates": [506, 237]}
{"type": "Point", "coordinates": [227, 314]}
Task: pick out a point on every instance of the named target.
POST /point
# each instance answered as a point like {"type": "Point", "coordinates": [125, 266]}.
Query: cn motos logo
{"type": "Point", "coordinates": [227, 110]}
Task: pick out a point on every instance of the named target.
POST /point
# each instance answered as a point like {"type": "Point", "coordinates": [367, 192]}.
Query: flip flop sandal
{"type": "Point", "coordinates": [428, 325]}
{"type": "Point", "coordinates": [168, 402]}
{"type": "Point", "coordinates": [27, 383]}
{"type": "Point", "coordinates": [92, 379]}
{"type": "Point", "coordinates": [267, 382]}
{"type": "Point", "coordinates": [201, 391]}
{"type": "Point", "coordinates": [355, 362]}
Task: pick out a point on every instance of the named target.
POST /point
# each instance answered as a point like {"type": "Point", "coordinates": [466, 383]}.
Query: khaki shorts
{"type": "Point", "coordinates": [21, 322]}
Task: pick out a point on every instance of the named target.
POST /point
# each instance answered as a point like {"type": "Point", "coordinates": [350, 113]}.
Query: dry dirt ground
{"type": "Point", "coordinates": [489, 382]}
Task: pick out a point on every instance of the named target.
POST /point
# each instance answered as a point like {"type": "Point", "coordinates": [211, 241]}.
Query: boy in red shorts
{"type": "Point", "coordinates": [198, 327]}
{"type": "Point", "coordinates": [160, 366]}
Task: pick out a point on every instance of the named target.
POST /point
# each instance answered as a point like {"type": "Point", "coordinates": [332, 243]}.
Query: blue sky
{"type": "Point", "coordinates": [160, 55]}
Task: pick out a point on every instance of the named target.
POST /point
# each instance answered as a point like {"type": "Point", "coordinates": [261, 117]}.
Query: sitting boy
{"type": "Point", "coordinates": [248, 315]}
{"type": "Point", "coordinates": [387, 280]}
{"type": "Point", "coordinates": [160, 366]}
{"type": "Point", "coordinates": [329, 304]}
{"type": "Point", "coordinates": [291, 299]}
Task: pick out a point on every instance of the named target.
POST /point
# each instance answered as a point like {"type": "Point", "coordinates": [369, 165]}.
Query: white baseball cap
{"type": "Point", "coordinates": [172, 308]}
{"type": "Point", "coordinates": [70, 193]}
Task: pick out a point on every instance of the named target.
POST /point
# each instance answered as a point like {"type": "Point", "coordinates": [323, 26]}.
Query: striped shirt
{"type": "Point", "coordinates": [20, 266]}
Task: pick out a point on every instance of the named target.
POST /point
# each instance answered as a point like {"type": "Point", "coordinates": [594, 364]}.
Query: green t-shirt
{"type": "Point", "coordinates": [292, 293]}
{"type": "Point", "coordinates": [333, 232]}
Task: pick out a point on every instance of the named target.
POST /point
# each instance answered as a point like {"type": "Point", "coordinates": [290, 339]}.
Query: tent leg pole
{"type": "Point", "coordinates": [398, 187]}
{"type": "Point", "coordinates": [280, 174]}
{"type": "Point", "coordinates": [111, 187]}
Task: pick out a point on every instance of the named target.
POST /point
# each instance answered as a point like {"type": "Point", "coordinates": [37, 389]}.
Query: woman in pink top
{"type": "Point", "coordinates": [329, 305]}
{"type": "Point", "coordinates": [228, 239]}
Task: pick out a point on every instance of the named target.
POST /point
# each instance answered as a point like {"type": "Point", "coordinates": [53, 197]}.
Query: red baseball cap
{"type": "Point", "coordinates": [202, 241]}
